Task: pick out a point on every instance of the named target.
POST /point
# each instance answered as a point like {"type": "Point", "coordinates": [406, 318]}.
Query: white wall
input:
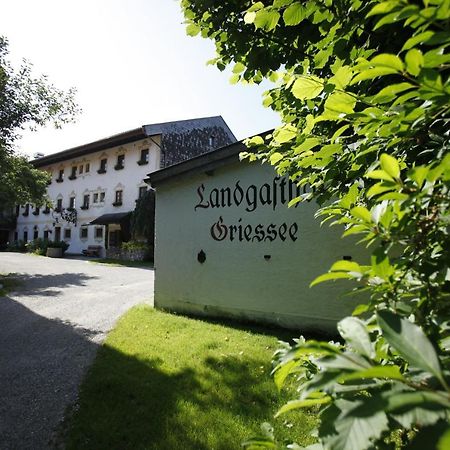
{"type": "Point", "coordinates": [128, 179]}
{"type": "Point", "coordinates": [237, 279]}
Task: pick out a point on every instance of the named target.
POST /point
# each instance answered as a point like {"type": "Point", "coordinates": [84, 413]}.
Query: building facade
{"type": "Point", "coordinates": [94, 187]}
{"type": "Point", "coordinates": [240, 252]}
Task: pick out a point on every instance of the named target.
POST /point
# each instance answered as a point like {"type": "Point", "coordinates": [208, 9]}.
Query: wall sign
{"type": "Point", "coordinates": [250, 198]}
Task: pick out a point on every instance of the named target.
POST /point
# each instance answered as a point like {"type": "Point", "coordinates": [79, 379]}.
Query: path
{"type": "Point", "coordinates": [50, 329]}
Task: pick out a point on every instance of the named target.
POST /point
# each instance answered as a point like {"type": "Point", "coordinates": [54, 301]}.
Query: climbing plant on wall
{"type": "Point", "coordinates": [363, 91]}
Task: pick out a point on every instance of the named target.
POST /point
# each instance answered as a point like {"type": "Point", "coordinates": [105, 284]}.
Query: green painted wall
{"type": "Point", "coordinates": [245, 274]}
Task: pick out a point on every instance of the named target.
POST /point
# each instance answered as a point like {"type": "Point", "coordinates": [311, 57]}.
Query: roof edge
{"type": "Point", "coordinates": [101, 144]}
{"type": "Point", "coordinates": [204, 162]}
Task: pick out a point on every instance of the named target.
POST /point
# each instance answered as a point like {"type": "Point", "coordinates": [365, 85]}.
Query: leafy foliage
{"type": "Point", "coordinates": [363, 91]}
{"type": "Point", "coordinates": [143, 218]}
{"type": "Point", "coordinates": [26, 101]}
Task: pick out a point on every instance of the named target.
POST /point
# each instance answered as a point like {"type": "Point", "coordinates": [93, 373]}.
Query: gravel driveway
{"type": "Point", "coordinates": [50, 329]}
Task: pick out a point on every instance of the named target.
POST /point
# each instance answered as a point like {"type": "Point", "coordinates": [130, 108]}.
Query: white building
{"type": "Point", "coordinates": [94, 187]}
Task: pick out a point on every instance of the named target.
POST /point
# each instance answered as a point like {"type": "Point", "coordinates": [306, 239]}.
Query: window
{"type": "Point", "coordinates": [85, 201]}
{"type": "Point", "coordinates": [80, 170]}
{"type": "Point", "coordinates": [99, 233]}
{"type": "Point", "coordinates": [46, 232]}
{"type": "Point", "coordinates": [73, 174]}
{"type": "Point", "coordinates": [25, 236]}
{"type": "Point", "coordinates": [72, 202]}
{"type": "Point", "coordinates": [118, 200]}
{"type": "Point", "coordinates": [17, 210]}
{"type": "Point", "coordinates": [120, 162]}
{"type": "Point", "coordinates": [142, 191]}
{"type": "Point", "coordinates": [60, 178]}
{"type": "Point", "coordinates": [35, 232]}
{"type": "Point", "coordinates": [46, 210]}
{"type": "Point", "coordinates": [144, 157]}
{"type": "Point", "coordinates": [27, 210]}
{"type": "Point", "coordinates": [16, 236]}
{"type": "Point", "coordinates": [95, 198]}
{"type": "Point", "coordinates": [36, 211]}
{"type": "Point", "coordinates": [102, 197]}
{"type": "Point", "coordinates": [87, 167]}
{"type": "Point", "coordinates": [58, 205]}
{"type": "Point", "coordinates": [102, 166]}
{"type": "Point", "coordinates": [84, 232]}
{"type": "Point", "coordinates": [67, 233]}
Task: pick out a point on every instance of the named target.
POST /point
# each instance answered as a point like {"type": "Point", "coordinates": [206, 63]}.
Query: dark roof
{"type": "Point", "coordinates": [106, 219]}
{"type": "Point", "coordinates": [203, 163]}
{"type": "Point", "coordinates": [136, 134]}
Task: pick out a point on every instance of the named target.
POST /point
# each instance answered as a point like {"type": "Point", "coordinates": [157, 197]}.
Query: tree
{"type": "Point", "coordinates": [26, 101]}
{"type": "Point", "coordinates": [363, 91]}
{"type": "Point", "coordinates": [143, 219]}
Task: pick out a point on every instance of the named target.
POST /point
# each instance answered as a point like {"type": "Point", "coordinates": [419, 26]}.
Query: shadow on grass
{"type": "Point", "coordinates": [138, 405]}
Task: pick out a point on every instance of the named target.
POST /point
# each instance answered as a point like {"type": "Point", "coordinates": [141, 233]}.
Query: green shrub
{"type": "Point", "coordinates": [60, 244]}
{"type": "Point", "coordinates": [134, 245]}
{"type": "Point", "coordinates": [16, 246]}
{"type": "Point", "coordinates": [37, 246]}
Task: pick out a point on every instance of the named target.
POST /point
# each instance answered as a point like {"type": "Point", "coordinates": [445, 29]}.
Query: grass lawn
{"type": "Point", "coordinates": [119, 262]}
{"type": "Point", "coordinates": [8, 282]}
{"type": "Point", "coordinates": [163, 381]}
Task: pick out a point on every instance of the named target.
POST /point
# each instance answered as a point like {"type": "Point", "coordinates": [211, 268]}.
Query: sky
{"type": "Point", "coordinates": [131, 63]}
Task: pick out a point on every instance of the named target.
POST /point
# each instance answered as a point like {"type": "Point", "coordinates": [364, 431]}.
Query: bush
{"type": "Point", "coordinates": [60, 244]}
{"type": "Point", "coordinates": [134, 245]}
{"type": "Point", "coordinates": [37, 246]}
{"type": "Point", "coordinates": [16, 246]}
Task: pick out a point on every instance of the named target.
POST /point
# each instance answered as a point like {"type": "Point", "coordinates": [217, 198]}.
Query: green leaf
{"type": "Point", "coordinates": [255, 140]}
{"type": "Point", "coordinates": [285, 134]}
{"type": "Point", "coordinates": [381, 265]}
{"type": "Point", "coordinates": [383, 8]}
{"type": "Point", "coordinates": [266, 19]}
{"type": "Point", "coordinates": [410, 342]}
{"type": "Point", "coordinates": [275, 157]}
{"type": "Point", "coordinates": [250, 17]}
{"type": "Point", "coordinates": [388, 60]}
{"type": "Point", "coordinates": [342, 77]}
{"type": "Point", "coordinates": [192, 29]}
{"type": "Point", "coordinates": [379, 188]}
{"type": "Point", "coordinates": [414, 61]}
{"type": "Point", "coordinates": [340, 103]}
{"type": "Point", "coordinates": [418, 39]}
{"type": "Point", "coordinates": [282, 372]}
{"type": "Point", "coordinates": [391, 372]}
{"type": "Point", "coordinates": [390, 92]}
{"type": "Point", "coordinates": [390, 165]}
{"type": "Point", "coordinates": [307, 403]}
{"type": "Point", "coordinates": [444, 441]}
{"type": "Point", "coordinates": [238, 67]}
{"type": "Point", "coordinates": [345, 266]}
{"type": "Point", "coordinates": [372, 73]}
{"type": "Point", "coordinates": [330, 276]}
{"type": "Point", "coordinates": [354, 331]}
{"type": "Point", "coordinates": [306, 88]}
{"type": "Point", "coordinates": [379, 175]}
{"type": "Point", "coordinates": [351, 425]}
{"type": "Point", "coordinates": [306, 145]}
{"type": "Point", "coordinates": [294, 14]}
{"type": "Point", "coordinates": [360, 309]}
{"type": "Point", "coordinates": [361, 212]}
{"type": "Point", "coordinates": [418, 174]}
{"type": "Point", "coordinates": [234, 78]}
